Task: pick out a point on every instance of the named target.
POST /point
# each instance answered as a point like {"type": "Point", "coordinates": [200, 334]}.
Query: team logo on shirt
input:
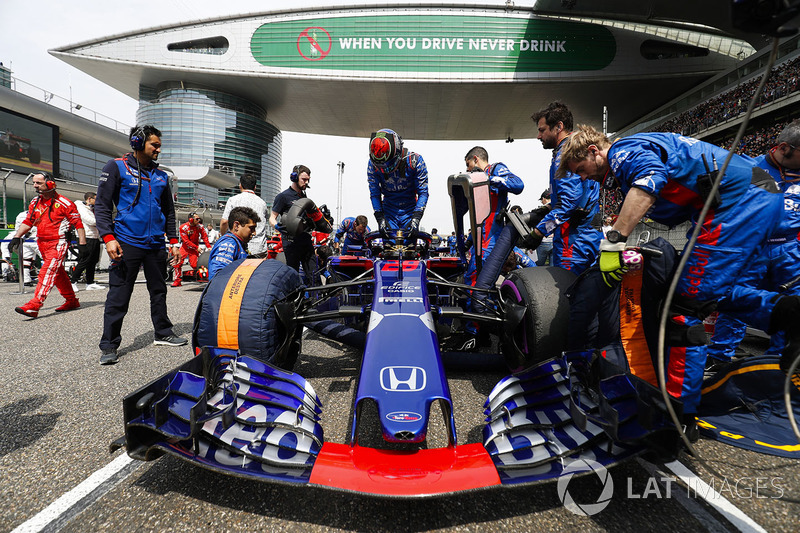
{"type": "Point", "coordinates": [617, 159]}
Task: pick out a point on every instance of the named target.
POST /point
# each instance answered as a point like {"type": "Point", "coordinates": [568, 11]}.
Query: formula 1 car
{"type": "Point", "coordinates": [18, 147]}
{"type": "Point", "coordinates": [238, 408]}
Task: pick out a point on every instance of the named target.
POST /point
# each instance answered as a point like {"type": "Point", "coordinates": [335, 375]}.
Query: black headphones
{"type": "Point", "coordinates": [138, 138]}
{"type": "Point", "coordinates": [294, 176]}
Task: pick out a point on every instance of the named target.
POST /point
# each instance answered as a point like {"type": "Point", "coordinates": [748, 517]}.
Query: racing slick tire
{"type": "Point", "coordinates": [242, 309]}
{"type": "Point", "coordinates": [202, 259]}
{"type": "Point", "coordinates": [34, 156]}
{"type": "Point", "coordinates": [537, 315]}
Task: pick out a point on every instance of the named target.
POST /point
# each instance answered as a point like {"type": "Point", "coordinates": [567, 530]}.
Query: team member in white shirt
{"type": "Point", "coordinates": [248, 198]}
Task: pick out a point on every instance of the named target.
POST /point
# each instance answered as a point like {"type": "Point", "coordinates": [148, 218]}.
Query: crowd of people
{"type": "Point", "coordinates": [783, 81]}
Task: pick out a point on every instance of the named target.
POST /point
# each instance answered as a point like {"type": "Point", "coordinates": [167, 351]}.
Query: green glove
{"type": "Point", "coordinates": [611, 265]}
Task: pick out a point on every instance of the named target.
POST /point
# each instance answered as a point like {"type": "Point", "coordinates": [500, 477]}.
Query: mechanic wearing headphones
{"type": "Point", "coordinates": [51, 214]}
{"type": "Point", "coordinates": [298, 249]}
{"type": "Point", "coordinates": [145, 212]}
{"type": "Point", "coordinates": [398, 183]}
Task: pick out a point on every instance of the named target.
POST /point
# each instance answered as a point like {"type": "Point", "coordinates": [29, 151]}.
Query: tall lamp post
{"type": "Point", "coordinates": [340, 165]}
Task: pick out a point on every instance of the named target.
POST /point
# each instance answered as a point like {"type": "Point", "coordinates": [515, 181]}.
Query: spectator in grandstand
{"type": "Point", "coordinates": [783, 81]}
{"type": "Point", "coordinates": [248, 198]}
{"type": "Point", "coordinates": [233, 245]}
{"type": "Point", "coordinates": [663, 176]}
{"type": "Point", "coordinates": [573, 219]}
{"type": "Point", "coordinates": [780, 259]}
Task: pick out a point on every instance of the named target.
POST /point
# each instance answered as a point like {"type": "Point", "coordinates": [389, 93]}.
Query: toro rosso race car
{"type": "Point", "coordinates": [238, 408]}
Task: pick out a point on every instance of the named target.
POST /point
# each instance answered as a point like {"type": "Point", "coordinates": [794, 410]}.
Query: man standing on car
{"type": "Point", "coordinates": [248, 198]}
{"type": "Point", "coordinates": [398, 183]}
{"type": "Point", "coordinates": [88, 255]}
{"type": "Point", "coordinates": [191, 233]}
{"type": "Point", "coordinates": [52, 215]}
{"type": "Point", "coordinates": [669, 177]}
{"type": "Point", "coordinates": [574, 202]}
{"type": "Point", "coordinates": [145, 213]}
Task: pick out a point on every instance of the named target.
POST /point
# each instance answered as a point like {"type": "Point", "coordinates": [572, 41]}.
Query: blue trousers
{"type": "Point", "coordinates": [121, 279]}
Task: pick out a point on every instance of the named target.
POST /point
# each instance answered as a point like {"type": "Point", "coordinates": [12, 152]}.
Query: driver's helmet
{"type": "Point", "coordinates": [385, 149]}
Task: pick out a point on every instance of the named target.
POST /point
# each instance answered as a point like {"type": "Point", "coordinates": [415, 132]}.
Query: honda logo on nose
{"type": "Point", "coordinates": [403, 378]}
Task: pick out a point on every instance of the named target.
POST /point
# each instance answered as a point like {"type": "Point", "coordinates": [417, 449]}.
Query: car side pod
{"type": "Point", "coordinates": [430, 472]}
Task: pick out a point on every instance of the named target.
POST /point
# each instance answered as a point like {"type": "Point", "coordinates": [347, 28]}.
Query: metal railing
{"type": "Point", "coordinates": [67, 104]}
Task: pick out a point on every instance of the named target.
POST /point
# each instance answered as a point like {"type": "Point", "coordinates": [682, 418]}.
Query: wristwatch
{"type": "Point", "coordinates": [615, 236]}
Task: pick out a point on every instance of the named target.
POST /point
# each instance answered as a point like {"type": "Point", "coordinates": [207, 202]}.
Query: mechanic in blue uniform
{"type": "Point", "coordinates": [573, 219]}
{"type": "Point", "coordinates": [501, 182]}
{"type": "Point", "coordinates": [398, 183]}
{"type": "Point", "coordinates": [545, 249]}
{"type": "Point", "coordinates": [134, 238]}
{"type": "Point", "coordinates": [668, 177]}
{"type": "Point", "coordinates": [353, 229]}
{"type": "Point", "coordinates": [233, 245]}
{"type": "Point", "coordinates": [452, 244]}
{"type": "Point", "coordinates": [780, 259]}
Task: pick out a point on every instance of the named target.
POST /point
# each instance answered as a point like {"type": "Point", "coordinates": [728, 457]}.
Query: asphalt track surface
{"type": "Point", "coordinates": [60, 409]}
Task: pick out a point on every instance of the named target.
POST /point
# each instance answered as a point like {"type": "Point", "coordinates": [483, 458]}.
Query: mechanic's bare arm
{"type": "Point", "coordinates": [223, 226]}
{"type": "Point", "coordinates": [273, 218]}
{"type": "Point", "coordinates": [22, 230]}
{"type": "Point", "coordinates": [81, 236]}
{"type": "Point", "coordinates": [636, 205]}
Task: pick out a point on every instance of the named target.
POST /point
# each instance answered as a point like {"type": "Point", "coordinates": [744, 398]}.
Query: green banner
{"type": "Point", "coordinates": [433, 43]}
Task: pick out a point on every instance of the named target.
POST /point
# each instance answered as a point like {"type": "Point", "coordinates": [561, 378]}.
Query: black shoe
{"type": "Point", "coordinates": [690, 428]}
{"type": "Point", "coordinates": [109, 357]}
{"type": "Point", "coordinates": [171, 340]}
{"type": "Point", "coordinates": [714, 365]}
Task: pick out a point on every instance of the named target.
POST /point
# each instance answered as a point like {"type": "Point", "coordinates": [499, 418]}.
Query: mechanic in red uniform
{"type": "Point", "coordinates": [52, 215]}
{"type": "Point", "coordinates": [191, 233]}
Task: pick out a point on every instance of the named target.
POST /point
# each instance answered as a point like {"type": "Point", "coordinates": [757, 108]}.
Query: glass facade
{"type": "Point", "coordinates": [207, 128]}
{"type": "Point", "coordinates": [81, 164]}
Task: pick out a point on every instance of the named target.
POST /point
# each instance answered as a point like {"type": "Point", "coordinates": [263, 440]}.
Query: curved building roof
{"type": "Point", "coordinates": [430, 72]}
